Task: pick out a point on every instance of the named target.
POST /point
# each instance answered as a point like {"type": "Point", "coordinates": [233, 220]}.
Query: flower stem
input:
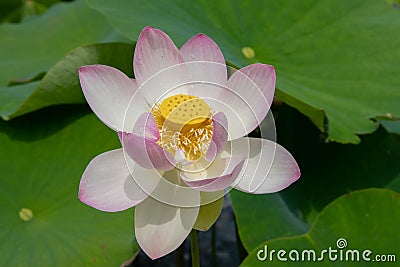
{"type": "Point", "coordinates": [180, 261]}
{"type": "Point", "coordinates": [194, 248]}
{"type": "Point", "coordinates": [214, 245]}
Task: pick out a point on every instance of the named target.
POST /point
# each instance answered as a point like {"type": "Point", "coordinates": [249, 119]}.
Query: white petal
{"type": "Point", "coordinates": [249, 95]}
{"type": "Point", "coordinates": [146, 126]}
{"type": "Point", "coordinates": [217, 176]}
{"type": "Point", "coordinates": [207, 64]}
{"type": "Point", "coordinates": [154, 52]}
{"type": "Point", "coordinates": [108, 91]}
{"type": "Point", "coordinates": [158, 65]}
{"type": "Point", "coordinates": [220, 132]}
{"type": "Point", "coordinates": [219, 137]}
{"type": "Point", "coordinates": [211, 152]}
{"type": "Point", "coordinates": [236, 111]}
{"type": "Point", "coordinates": [202, 48]}
{"type": "Point", "coordinates": [161, 228]}
{"type": "Point", "coordinates": [146, 152]}
{"type": "Point", "coordinates": [180, 158]}
{"type": "Point", "coordinates": [165, 83]}
{"type": "Point", "coordinates": [107, 183]}
{"type": "Point", "coordinates": [172, 191]}
{"type": "Point", "coordinates": [270, 167]}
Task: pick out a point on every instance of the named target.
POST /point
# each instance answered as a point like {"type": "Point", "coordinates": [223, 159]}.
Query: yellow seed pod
{"type": "Point", "coordinates": [185, 110]}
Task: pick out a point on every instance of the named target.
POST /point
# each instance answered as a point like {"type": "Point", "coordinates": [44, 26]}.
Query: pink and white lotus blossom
{"type": "Point", "coordinates": [181, 123]}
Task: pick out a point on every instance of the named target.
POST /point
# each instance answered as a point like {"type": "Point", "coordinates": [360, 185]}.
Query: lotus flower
{"type": "Point", "coordinates": [181, 123]}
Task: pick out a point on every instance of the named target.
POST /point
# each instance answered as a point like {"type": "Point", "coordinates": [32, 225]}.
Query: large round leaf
{"type": "Point", "coordinates": [391, 126]}
{"type": "Point", "coordinates": [32, 47]}
{"type": "Point", "coordinates": [395, 184]}
{"type": "Point", "coordinates": [338, 56]}
{"type": "Point", "coordinates": [43, 156]}
{"type": "Point", "coordinates": [17, 10]}
{"type": "Point", "coordinates": [60, 85]}
{"type": "Point", "coordinates": [263, 217]}
{"type": "Point", "coordinates": [361, 220]}
{"type": "Point", "coordinates": [329, 170]}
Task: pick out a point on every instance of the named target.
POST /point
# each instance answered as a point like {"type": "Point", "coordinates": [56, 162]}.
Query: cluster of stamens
{"type": "Point", "coordinates": [184, 122]}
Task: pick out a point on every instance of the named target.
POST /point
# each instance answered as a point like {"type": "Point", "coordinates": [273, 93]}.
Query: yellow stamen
{"type": "Point", "coordinates": [184, 122]}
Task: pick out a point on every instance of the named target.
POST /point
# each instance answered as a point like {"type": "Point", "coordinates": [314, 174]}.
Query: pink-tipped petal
{"type": "Point", "coordinates": [220, 131]}
{"type": "Point", "coordinates": [269, 169]}
{"type": "Point", "coordinates": [249, 95]}
{"type": "Point", "coordinates": [108, 91]}
{"type": "Point", "coordinates": [162, 228]}
{"type": "Point", "coordinates": [146, 152]}
{"type": "Point", "coordinates": [202, 48]}
{"type": "Point", "coordinates": [146, 126]}
{"type": "Point", "coordinates": [159, 66]}
{"type": "Point", "coordinates": [108, 185]}
{"type": "Point", "coordinates": [154, 52]}
{"type": "Point", "coordinates": [211, 152]}
{"type": "Point", "coordinates": [220, 136]}
{"type": "Point", "coordinates": [218, 176]}
{"type": "Point", "coordinates": [210, 65]}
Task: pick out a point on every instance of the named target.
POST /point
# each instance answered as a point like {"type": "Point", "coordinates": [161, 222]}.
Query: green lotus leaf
{"type": "Point", "coordinates": [32, 47]}
{"type": "Point", "coordinates": [337, 57]}
{"type": "Point", "coordinates": [42, 221]}
{"type": "Point", "coordinates": [364, 220]}
{"type": "Point", "coordinates": [60, 85]}
{"type": "Point", "coordinates": [269, 217]}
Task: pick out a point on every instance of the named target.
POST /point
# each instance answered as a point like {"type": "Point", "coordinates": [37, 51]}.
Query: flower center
{"type": "Point", "coordinates": [185, 123]}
